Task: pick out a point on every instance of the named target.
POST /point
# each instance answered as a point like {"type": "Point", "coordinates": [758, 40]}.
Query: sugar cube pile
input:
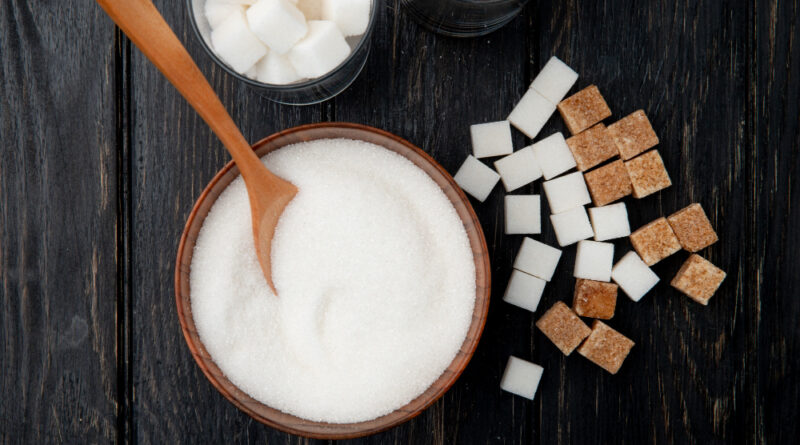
{"type": "Point", "coordinates": [281, 42]}
{"type": "Point", "coordinates": [600, 165]}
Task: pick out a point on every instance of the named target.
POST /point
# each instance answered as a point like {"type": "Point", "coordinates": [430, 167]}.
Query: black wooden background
{"type": "Point", "coordinates": [101, 161]}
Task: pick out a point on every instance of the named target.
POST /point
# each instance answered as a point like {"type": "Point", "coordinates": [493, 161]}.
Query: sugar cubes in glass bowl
{"type": "Point", "coordinates": [295, 51]}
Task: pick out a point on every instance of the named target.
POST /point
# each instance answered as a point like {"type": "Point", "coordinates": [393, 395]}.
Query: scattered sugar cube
{"type": "Point", "coordinates": [523, 214]}
{"type": "Point", "coordinates": [312, 9]}
{"type": "Point", "coordinates": [592, 147]}
{"type": "Point", "coordinates": [698, 279]}
{"type": "Point", "coordinates": [531, 113]}
{"type": "Point", "coordinates": [567, 192]}
{"type": "Point", "coordinates": [537, 259]}
{"type": "Point", "coordinates": [594, 260]}
{"type": "Point", "coordinates": [252, 73]}
{"type": "Point", "coordinates": [606, 347]}
{"type": "Point", "coordinates": [647, 174]}
{"type": "Point", "coordinates": [584, 109]}
{"type": "Point", "coordinates": [633, 134]}
{"type": "Point", "coordinates": [608, 183]}
{"type": "Point", "coordinates": [277, 23]}
{"type": "Point", "coordinates": [475, 178]}
{"type": "Point", "coordinates": [320, 51]}
{"type": "Point", "coordinates": [235, 44]}
{"type": "Point", "coordinates": [595, 299]}
{"type": "Point", "coordinates": [633, 276]}
{"type": "Point", "coordinates": [610, 222]}
{"type": "Point", "coordinates": [553, 156]}
{"type": "Point", "coordinates": [563, 327]}
{"type": "Point", "coordinates": [521, 377]}
{"type": "Point", "coordinates": [554, 80]}
{"type": "Point", "coordinates": [655, 241]}
{"type": "Point", "coordinates": [571, 226]}
{"type": "Point", "coordinates": [491, 139]}
{"type": "Point", "coordinates": [692, 227]}
{"type": "Point", "coordinates": [276, 69]}
{"type": "Point", "coordinates": [351, 16]}
{"type": "Point", "coordinates": [524, 290]}
{"type": "Point", "coordinates": [217, 11]}
{"type": "Point", "coordinates": [518, 169]}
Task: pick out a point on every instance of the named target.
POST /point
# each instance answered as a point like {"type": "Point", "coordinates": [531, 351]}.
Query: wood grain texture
{"type": "Point", "coordinates": [774, 140]}
{"type": "Point", "coordinates": [102, 161]}
{"type": "Point", "coordinates": [58, 203]}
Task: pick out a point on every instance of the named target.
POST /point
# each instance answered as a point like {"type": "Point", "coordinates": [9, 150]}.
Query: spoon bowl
{"type": "Point", "coordinates": [269, 194]}
{"type": "Point", "coordinates": [293, 424]}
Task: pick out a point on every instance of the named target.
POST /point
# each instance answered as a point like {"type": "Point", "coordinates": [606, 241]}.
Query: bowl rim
{"type": "Point", "coordinates": [289, 423]}
{"type": "Point", "coordinates": [365, 40]}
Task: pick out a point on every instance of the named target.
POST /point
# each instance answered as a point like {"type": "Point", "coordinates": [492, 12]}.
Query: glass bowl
{"type": "Point", "coordinates": [306, 92]}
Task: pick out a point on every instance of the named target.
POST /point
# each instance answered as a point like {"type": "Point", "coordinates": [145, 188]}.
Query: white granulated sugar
{"type": "Point", "coordinates": [375, 277]}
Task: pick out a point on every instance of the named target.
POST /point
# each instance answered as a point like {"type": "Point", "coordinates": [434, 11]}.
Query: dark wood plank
{"type": "Point", "coordinates": [58, 216]}
{"type": "Point", "coordinates": [689, 378]}
{"type": "Point", "coordinates": [774, 119]}
{"type": "Point", "coordinates": [173, 156]}
{"type": "Point", "coordinates": [429, 89]}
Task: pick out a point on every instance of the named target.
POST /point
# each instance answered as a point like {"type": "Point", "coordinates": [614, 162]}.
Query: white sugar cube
{"type": "Point", "coordinates": [633, 276]}
{"type": "Point", "coordinates": [571, 226]}
{"type": "Point", "coordinates": [593, 260]}
{"type": "Point", "coordinates": [475, 178]}
{"type": "Point", "coordinates": [553, 155]}
{"type": "Point", "coordinates": [523, 214]}
{"type": "Point", "coordinates": [567, 192]}
{"type": "Point", "coordinates": [276, 69]}
{"type": "Point", "coordinates": [235, 44]}
{"type": "Point", "coordinates": [537, 259]}
{"type": "Point", "coordinates": [320, 51]}
{"type": "Point", "coordinates": [491, 139]}
{"type": "Point", "coordinates": [351, 16]}
{"type": "Point", "coordinates": [521, 377]}
{"type": "Point", "coordinates": [524, 290]}
{"type": "Point", "coordinates": [610, 222]}
{"type": "Point", "coordinates": [531, 113]}
{"type": "Point", "coordinates": [217, 11]}
{"type": "Point", "coordinates": [277, 23]}
{"type": "Point", "coordinates": [312, 9]}
{"type": "Point", "coordinates": [252, 73]}
{"type": "Point", "coordinates": [518, 169]}
{"type": "Point", "coordinates": [554, 80]}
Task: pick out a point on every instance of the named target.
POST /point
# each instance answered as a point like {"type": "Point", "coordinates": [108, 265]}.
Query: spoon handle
{"type": "Point", "coordinates": [144, 25]}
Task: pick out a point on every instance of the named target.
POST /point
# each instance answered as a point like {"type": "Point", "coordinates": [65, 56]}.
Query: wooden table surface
{"type": "Point", "coordinates": [101, 161]}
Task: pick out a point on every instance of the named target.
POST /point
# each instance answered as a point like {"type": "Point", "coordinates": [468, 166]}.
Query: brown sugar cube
{"type": "Point", "coordinates": [583, 109]}
{"type": "Point", "coordinates": [592, 147]}
{"type": "Point", "coordinates": [595, 299]}
{"type": "Point", "coordinates": [647, 174]}
{"type": "Point", "coordinates": [693, 228]}
{"type": "Point", "coordinates": [655, 241]}
{"type": "Point", "coordinates": [606, 347]}
{"type": "Point", "coordinates": [633, 134]}
{"type": "Point", "coordinates": [608, 183]}
{"type": "Point", "coordinates": [698, 279]}
{"type": "Point", "coordinates": [563, 327]}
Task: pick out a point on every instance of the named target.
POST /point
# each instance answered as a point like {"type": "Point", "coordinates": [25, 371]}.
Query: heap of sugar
{"type": "Point", "coordinates": [284, 41]}
{"type": "Point", "coordinates": [371, 262]}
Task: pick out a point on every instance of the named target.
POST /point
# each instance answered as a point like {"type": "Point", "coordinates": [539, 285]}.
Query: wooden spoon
{"type": "Point", "coordinates": [269, 194]}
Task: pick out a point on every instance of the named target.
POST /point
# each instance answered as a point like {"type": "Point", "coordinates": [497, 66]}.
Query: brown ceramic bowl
{"type": "Point", "coordinates": [289, 423]}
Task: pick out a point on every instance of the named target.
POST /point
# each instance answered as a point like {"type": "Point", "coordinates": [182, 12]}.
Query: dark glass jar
{"type": "Point", "coordinates": [463, 18]}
